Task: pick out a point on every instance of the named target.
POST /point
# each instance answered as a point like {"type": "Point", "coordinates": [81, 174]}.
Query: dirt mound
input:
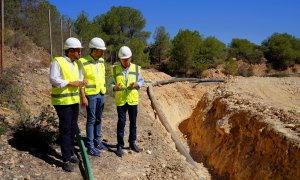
{"type": "Point", "coordinates": [248, 129]}
{"type": "Point", "coordinates": [214, 73]}
{"type": "Point", "coordinates": [153, 75]}
{"type": "Point", "coordinates": [246, 69]}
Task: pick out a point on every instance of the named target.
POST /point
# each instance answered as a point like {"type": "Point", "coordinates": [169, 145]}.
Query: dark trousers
{"type": "Point", "coordinates": [132, 112]}
{"type": "Point", "coordinates": [68, 117]}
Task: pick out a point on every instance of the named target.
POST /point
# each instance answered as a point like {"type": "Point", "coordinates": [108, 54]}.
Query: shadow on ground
{"type": "Point", "coordinates": [35, 143]}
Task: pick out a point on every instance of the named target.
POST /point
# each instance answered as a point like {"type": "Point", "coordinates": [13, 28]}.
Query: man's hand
{"type": "Point", "coordinates": [75, 83]}
{"type": "Point", "coordinates": [84, 82]}
{"type": "Point", "coordinates": [117, 87]}
{"type": "Point", "coordinates": [134, 85]}
{"type": "Point", "coordinates": [84, 102]}
{"type": "Point", "coordinates": [78, 83]}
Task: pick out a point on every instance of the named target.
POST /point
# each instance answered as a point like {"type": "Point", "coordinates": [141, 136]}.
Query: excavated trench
{"type": "Point", "coordinates": [237, 137]}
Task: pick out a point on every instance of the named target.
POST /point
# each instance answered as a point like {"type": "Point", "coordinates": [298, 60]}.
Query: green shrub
{"type": "Point", "coordinates": [282, 50]}
{"type": "Point", "coordinates": [138, 55]}
{"type": "Point", "coordinates": [40, 129]}
{"type": "Point", "coordinates": [245, 71]}
{"type": "Point", "coordinates": [3, 124]}
{"type": "Point", "coordinates": [244, 49]}
{"type": "Point", "coordinates": [231, 67]}
{"type": "Point", "coordinates": [108, 77]}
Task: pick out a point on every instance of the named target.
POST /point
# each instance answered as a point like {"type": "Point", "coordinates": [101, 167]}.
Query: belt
{"type": "Point", "coordinates": [95, 94]}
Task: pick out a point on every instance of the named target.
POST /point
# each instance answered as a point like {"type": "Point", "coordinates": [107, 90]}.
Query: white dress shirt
{"type": "Point", "coordinates": [56, 76]}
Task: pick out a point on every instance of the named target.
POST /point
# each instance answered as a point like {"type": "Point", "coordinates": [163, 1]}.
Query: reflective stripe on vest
{"type": "Point", "coordinates": [126, 94]}
{"type": "Point", "coordinates": [67, 95]}
{"type": "Point", "coordinates": [64, 95]}
{"type": "Point", "coordinates": [96, 79]}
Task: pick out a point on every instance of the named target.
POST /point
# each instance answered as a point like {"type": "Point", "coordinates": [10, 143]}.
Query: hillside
{"type": "Point", "coordinates": [243, 128]}
{"type": "Point", "coordinates": [23, 158]}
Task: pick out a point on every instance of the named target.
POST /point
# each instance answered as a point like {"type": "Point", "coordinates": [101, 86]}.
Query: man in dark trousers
{"type": "Point", "coordinates": [64, 78]}
{"type": "Point", "coordinates": [127, 80]}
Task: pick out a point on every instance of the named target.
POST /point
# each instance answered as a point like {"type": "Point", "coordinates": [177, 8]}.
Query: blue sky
{"type": "Point", "coordinates": [254, 20]}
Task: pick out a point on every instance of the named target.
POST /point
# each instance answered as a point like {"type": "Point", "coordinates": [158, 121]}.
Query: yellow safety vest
{"type": "Point", "coordinates": [67, 95]}
{"type": "Point", "coordinates": [96, 80]}
{"type": "Point", "coordinates": [126, 94]}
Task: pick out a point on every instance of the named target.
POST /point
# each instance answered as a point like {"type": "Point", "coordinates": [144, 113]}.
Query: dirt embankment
{"type": "Point", "coordinates": [24, 159]}
{"type": "Point", "coordinates": [248, 129]}
{"type": "Point", "coordinates": [179, 99]}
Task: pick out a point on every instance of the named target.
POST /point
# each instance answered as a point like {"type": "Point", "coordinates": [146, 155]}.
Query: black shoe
{"type": "Point", "coordinates": [67, 166]}
{"type": "Point", "coordinates": [119, 152]}
{"type": "Point", "coordinates": [134, 147]}
{"type": "Point", "coordinates": [74, 159]}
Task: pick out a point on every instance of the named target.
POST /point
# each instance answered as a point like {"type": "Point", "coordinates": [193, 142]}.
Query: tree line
{"type": "Point", "coordinates": [188, 54]}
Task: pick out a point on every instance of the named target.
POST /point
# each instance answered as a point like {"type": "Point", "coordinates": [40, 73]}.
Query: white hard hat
{"type": "Point", "coordinates": [97, 43]}
{"type": "Point", "coordinates": [124, 52]}
{"type": "Point", "coordinates": [72, 43]}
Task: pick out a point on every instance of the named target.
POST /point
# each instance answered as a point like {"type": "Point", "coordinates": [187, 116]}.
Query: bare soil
{"type": "Point", "coordinates": [23, 159]}
{"type": "Point", "coordinates": [245, 128]}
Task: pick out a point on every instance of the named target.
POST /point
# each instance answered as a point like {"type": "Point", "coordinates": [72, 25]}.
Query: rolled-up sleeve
{"type": "Point", "coordinates": [141, 80]}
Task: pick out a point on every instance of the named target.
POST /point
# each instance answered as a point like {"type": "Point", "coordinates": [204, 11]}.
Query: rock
{"type": "Point", "coordinates": [22, 166]}
{"type": "Point", "coordinates": [148, 152]}
{"type": "Point", "coordinates": [290, 125]}
{"type": "Point", "coordinates": [12, 162]}
{"type": "Point", "coordinates": [12, 166]}
{"type": "Point", "coordinates": [27, 177]}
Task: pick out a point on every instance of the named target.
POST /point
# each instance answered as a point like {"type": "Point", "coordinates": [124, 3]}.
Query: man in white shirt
{"type": "Point", "coordinates": [64, 78]}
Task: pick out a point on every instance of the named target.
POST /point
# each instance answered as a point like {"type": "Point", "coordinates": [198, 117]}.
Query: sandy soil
{"type": "Point", "coordinates": [283, 93]}
{"type": "Point", "coordinates": [243, 119]}
{"type": "Point", "coordinates": [24, 159]}
{"type": "Point", "coordinates": [246, 128]}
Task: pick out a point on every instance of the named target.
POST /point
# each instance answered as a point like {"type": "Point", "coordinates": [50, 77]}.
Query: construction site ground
{"type": "Point", "coordinates": [243, 128]}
